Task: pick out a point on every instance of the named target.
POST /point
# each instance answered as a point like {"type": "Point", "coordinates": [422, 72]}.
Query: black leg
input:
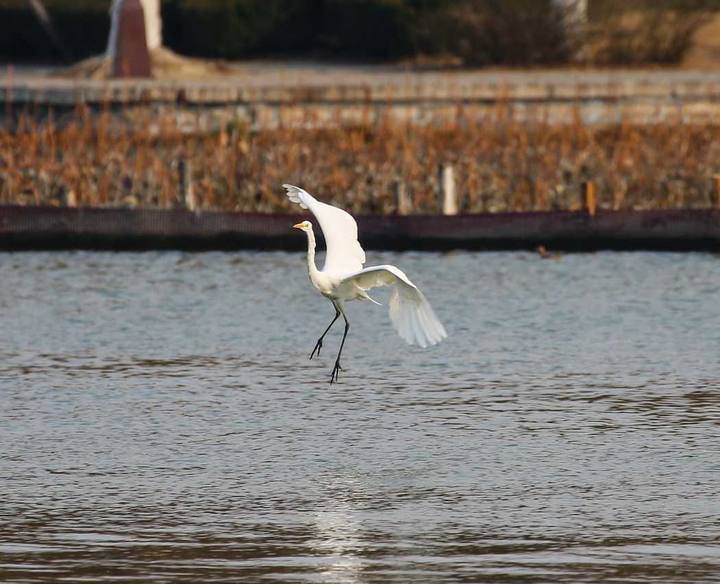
{"type": "Point", "coordinates": [318, 345]}
{"type": "Point", "coordinates": [336, 370]}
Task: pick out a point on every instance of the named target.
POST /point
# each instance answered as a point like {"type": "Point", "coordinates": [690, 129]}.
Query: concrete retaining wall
{"type": "Point", "coordinates": [313, 97]}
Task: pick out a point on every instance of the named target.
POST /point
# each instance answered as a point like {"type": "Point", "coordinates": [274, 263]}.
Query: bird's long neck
{"type": "Point", "coordinates": [312, 268]}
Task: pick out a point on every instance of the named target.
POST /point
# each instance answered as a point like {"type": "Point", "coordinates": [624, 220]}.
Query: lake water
{"type": "Point", "coordinates": [160, 421]}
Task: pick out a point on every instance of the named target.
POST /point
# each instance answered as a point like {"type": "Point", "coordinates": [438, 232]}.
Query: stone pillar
{"type": "Point", "coordinates": [153, 25]}
{"type": "Point", "coordinates": [128, 46]}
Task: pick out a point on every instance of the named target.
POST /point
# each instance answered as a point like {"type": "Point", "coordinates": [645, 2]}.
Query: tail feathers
{"type": "Point", "coordinates": [366, 296]}
{"type": "Point", "coordinates": [414, 319]}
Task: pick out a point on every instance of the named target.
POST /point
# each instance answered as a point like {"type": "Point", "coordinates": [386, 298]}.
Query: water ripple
{"type": "Point", "coordinates": [161, 422]}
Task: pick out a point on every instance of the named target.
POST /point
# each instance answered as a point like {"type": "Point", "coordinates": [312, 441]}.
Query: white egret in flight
{"type": "Point", "coordinates": [344, 278]}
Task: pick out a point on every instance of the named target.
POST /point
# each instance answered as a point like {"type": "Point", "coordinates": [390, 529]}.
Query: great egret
{"type": "Point", "coordinates": [343, 278]}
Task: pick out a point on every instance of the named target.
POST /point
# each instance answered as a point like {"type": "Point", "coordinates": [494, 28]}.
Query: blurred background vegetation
{"type": "Point", "coordinates": [460, 32]}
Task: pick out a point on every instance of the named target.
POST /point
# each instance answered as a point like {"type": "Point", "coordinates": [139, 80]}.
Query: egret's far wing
{"type": "Point", "coordinates": [344, 253]}
{"type": "Point", "coordinates": [410, 312]}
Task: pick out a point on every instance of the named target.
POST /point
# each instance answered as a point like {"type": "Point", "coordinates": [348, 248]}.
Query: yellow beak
{"type": "Point", "coordinates": [298, 226]}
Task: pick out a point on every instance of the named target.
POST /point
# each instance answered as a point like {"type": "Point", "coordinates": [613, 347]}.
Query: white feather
{"type": "Point", "coordinates": [344, 253]}
{"type": "Point", "coordinates": [410, 312]}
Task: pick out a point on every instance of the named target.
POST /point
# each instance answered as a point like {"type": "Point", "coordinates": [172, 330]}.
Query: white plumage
{"type": "Point", "coordinates": [338, 227]}
{"type": "Point", "coordinates": [410, 312]}
{"type": "Point", "coordinates": [343, 277]}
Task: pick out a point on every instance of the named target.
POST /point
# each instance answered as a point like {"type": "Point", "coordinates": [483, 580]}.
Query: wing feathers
{"type": "Point", "coordinates": [293, 194]}
{"type": "Point", "coordinates": [344, 253]}
{"type": "Point", "coordinates": [411, 314]}
{"type": "Point", "coordinates": [414, 319]}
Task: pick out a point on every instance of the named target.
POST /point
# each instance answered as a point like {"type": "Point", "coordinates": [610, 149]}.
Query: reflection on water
{"type": "Point", "coordinates": [160, 421]}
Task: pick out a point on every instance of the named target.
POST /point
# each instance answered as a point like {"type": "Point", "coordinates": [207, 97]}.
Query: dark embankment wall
{"type": "Point", "coordinates": [56, 228]}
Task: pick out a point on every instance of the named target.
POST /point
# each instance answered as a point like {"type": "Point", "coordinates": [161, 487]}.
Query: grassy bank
{"type": "Point", "coordinates": [500, 165]}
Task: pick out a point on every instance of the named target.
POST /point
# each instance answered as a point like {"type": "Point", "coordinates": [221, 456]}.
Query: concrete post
{"type": "Point", "coordinates": [71, 198]}
{"type": "Point", "coordinates": [403, 203]}
{"type": "Point", "coordinates": [448, 196]}
{"type": "Point", "coordinates": [153, 25]}
{"type": "Point", "coordinates": [186, 184]}
{"type": "Point", "coordinates": [130, 55]}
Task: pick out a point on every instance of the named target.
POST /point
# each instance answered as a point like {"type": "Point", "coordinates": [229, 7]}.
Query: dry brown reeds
{"type": "Point", "coordinates": [500, 165]}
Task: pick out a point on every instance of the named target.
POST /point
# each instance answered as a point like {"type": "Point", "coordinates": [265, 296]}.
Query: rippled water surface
{"type": "Point", "coordinates": [160, 421]}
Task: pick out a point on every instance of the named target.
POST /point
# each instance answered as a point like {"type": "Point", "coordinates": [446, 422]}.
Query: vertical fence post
{"type": "Point", "coordinates": [186, 185]}
{"type": "Point", "coordinates": [71, 198]}
{"type": "Point", "coordinates": [448, 196]}
{"type": "Point", "coordinates": [403, 204]}
{"type": "Point", "coordinates": [589, 202]}
{"type": "Point", "coordinates": [716, 191]}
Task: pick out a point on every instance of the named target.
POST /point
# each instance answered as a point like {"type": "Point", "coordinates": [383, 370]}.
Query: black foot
{"type": "Point", "coordinates": [335, 372]}
{"type": "Point", "coordinates": [316, 350]}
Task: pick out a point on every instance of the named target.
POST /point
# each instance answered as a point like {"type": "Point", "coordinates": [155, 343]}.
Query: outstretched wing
{"type": "Point", "coordinates": [410, 312]}
{"type": "Point", "coordinates": [344, 253]}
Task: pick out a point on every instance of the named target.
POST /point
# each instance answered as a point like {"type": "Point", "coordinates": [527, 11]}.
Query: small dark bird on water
{"type": "Point", "coordinates": [545, 254]}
